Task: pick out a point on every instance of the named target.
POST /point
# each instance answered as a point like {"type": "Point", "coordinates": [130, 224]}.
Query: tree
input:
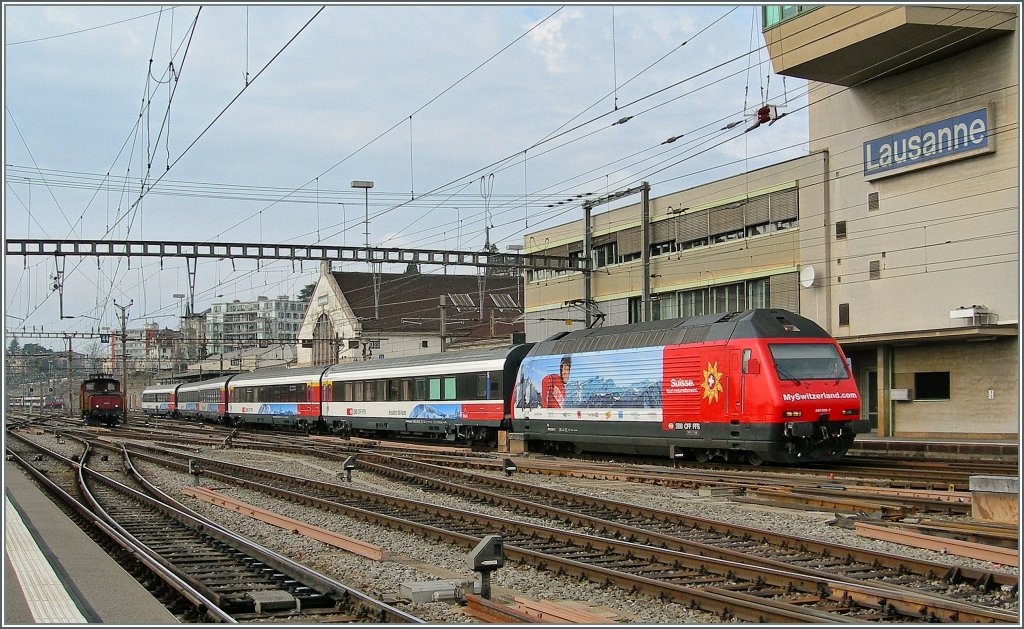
{"type": "Point", "coordinates": [35, 349]}
{"type": "Point", "coordinates": [14, 348]}
{"type": "Point", "coordinates": [306, 293]}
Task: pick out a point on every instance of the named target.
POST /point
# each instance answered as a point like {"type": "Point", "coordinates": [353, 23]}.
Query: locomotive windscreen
{"type": "Point", "coordinates": [808, 361]}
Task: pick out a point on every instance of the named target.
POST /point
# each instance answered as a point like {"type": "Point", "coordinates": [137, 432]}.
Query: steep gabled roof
{"type": "Point", "coordinates": [410, 302]}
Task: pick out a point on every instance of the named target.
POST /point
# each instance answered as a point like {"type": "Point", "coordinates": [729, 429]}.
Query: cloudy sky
{"type": "Point", "coordinates": [247, 124]}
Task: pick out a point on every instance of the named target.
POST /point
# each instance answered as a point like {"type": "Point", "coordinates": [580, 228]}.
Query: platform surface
{"type": "Point", "coordinates": [56, 574]}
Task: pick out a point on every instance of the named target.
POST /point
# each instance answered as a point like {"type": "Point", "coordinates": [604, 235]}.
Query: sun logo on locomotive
{"type": "Point", "coordinates": [712, 384]}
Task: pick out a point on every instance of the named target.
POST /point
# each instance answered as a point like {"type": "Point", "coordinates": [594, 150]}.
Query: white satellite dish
{"type": "Point", "coordinates": [807, 276]}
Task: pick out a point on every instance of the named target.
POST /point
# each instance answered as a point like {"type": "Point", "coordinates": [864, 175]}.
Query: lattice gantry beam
{"type": "Point", "coordinates": [253, 251]}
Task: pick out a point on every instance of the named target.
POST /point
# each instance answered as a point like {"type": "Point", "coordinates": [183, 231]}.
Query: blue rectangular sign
{"type": "Point", "coordinates": [959, 134]}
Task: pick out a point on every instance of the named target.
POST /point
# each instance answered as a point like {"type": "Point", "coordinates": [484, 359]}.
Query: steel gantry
{"type": "Point", "coordinates": [192, 251]}
{"type": "Point", "coordinates": [254, 251]}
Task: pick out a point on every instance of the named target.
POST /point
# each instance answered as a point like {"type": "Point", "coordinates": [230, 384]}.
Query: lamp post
{"type": "Point", "coordinates": [181, 325]}
{"type": "Point", "coordinates": [124, 353]}
{"type": "Point", "coordinates": [365, 185]}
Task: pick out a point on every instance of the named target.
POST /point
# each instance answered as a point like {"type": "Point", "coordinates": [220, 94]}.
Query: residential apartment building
{"type": "Point", "coordinates": [237, 325]}
{"type": "Point", "coordinates": [148, 348]}
{"type": "Point", "coordinates": [898, 232]}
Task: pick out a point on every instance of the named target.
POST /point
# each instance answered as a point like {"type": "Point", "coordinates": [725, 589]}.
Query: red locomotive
{"type": "Point", "coordinates": [755, 386]}
{"type": "Point", "coordinates": [102, 401]}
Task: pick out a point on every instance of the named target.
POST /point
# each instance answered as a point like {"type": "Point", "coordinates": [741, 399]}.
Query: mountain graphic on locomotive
{"type": "Point", "coordinates": [755, 386]}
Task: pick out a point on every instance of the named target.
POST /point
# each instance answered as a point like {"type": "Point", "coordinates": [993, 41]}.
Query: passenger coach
{"type": "Point", "coordinates": [280, 397]}
{"type": "Point", "coordinates": [206, 400]}
{"type": "Point", "coordinates": [456, 396]}
{"type": "Point", "coordinates": [159, 400]}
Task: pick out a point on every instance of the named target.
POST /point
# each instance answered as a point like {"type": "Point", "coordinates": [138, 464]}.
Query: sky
{"type": "Point", "coordinates": [248, 123]}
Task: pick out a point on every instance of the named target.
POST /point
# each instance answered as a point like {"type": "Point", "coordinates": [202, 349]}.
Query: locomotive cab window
{"type": "Point", "coordinates": [808, 361]}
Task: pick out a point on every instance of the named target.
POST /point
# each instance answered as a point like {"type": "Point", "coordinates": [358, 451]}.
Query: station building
{"type": "Point", "coordinates": [898, 232]}
{"type": "Point", "coordinates": [355, 316]}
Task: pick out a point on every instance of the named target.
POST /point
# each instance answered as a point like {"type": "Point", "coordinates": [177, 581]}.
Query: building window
{"type": "Point", "coordinates": [872, 201]}
{"type": "Point", "coordinates": [728, 298]}
{"type": "Point", "coordinates": [634, 306]}
{"type": "Point", "coordinates": [840, 230]}
{"type": "Point", "coordinates": [661, 248]}
{"type": "Point", "coordinates": [874, 269]}
{"type": "Point", "coordinates": [759, 293]}
{"type": "Point", "coordinates": [759, 229]}
{"type": "Point", "coordinates": [772, 16]}
{"type": "Point", "coordinates": [727, 236]}
{"type": "Point", "coordinates": [605, 254]}
{"type": "Point", "coordinates": [844, 314]}
{"type": "Point", "coordinates": [693, 302]}
{"type": "Point", "coordinates": [690, 244]}
{"type": "Point", "coordinates": [663, 307]}
{"type": "Point", "coordinates": [931, 385]}
{"type": "Point", "coordinates": [629, 257]}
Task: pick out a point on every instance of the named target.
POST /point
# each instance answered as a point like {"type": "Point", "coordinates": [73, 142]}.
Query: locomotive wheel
{"type": "Point", "coordinates": [754, 459]}
{"type": "Point", "coordinates": [702, 456]}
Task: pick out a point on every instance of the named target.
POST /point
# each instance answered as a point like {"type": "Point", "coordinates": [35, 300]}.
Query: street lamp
{"type": "Point", "coordinates": [179, 297]}
{"type": "Point", "coordinates": [365, 185]}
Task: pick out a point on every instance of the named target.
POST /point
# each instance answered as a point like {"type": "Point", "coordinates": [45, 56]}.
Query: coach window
{"type": "Point", "coordinates": [495, 385]}
{"type": "Point", "coordinates": [465, 386]}
{"type": "Point", "coordinates": [357, 391]}
{"type": "Point", "coordinates": [369, 395]}
{"type": "Point", "coordinates": [407, 390]}
{"type": "Point", "coordinates": [380, 394]}
{"type": "Point", "coordinates": [449, 388]}
{"type": "Point", "coordinates": [394, 390]}
{"type": "Point", "coordinates": [435, 389]}
{"type": "Point", "coordinates": [421, 389]}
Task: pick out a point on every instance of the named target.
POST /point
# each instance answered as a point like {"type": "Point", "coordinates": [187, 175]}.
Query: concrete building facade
{"type": "Point", "coordinates": [237, 325]}
{"type": "Point", "coordinates": [898, 232]}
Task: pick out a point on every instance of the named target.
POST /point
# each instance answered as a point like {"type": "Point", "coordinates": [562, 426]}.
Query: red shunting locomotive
{"type": "Point", "coordinates": [102, 401]}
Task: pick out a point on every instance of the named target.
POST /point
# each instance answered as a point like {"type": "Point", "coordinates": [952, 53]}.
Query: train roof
{"type": "Point", "coordinates": [100, 376]}
{"type": "Point", "coordinates": [462, 356]}
{"type": "Point", "coordinates": [759, 323]}
{"type": "Point", "coordinates": [204, 383]}
{"type": "Point", "coordinates": [298, 373]}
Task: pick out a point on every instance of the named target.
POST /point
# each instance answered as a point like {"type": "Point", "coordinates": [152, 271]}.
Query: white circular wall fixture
{"type": "Point", "coordinates": [807, 276]}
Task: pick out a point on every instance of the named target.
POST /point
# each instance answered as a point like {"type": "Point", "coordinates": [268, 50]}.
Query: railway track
{"type": "Point", "coordinates": [236, 579]}
{"type": "Point", "coordinates": [696, 535]}
{"type": "Point", "coordinates": [748, 590]}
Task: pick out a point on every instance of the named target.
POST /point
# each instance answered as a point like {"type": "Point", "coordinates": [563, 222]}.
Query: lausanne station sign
{"type": "Point", "coordinates": [960, 136]}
